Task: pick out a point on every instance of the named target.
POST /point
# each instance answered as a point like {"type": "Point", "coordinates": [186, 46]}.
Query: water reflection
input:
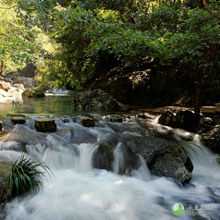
{"type": "Point", "coordinates": [48, 105]}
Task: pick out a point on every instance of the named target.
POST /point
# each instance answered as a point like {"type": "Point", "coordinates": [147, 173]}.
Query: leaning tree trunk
{"type": "Point", "coordinates": [1, 67]}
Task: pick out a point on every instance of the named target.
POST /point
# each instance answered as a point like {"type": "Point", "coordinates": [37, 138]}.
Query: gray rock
{"type": "Point", "coordinates": [163, 157]}
{"type": "Point", "coordinates": [23, 134]}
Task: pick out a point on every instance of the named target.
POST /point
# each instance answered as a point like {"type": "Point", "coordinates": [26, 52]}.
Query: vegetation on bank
{"type": "Point", "coordinates": [21, 177]}
{"type": "Point", "coordinates": [75, 42]}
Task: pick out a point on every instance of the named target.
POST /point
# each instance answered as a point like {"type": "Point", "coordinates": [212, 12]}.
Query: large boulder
{"type": "Point", "coordinates": [114, 156]}
{"type": "Point", "coordinates": [163, 157]}
{"type": "Point", "coordinates": [97, 100]}
{"type": "Point", "coordinates": [186, 120]}
{"type": "Point", "coordinates": [174, 163]}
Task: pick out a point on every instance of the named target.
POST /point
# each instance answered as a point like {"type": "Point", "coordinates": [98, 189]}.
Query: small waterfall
{"type": "Point", "coordinates": [142, 172]}
{"type": "Point", "coordinates": [118, 163]}
{"type": "Point", "coordinates": [77, 191]}
{"type": "Point", "coordinates": [84, 163]}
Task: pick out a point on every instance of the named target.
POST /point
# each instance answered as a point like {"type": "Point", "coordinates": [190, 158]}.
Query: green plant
{"type": "Point", "coordinates": [25, 176]}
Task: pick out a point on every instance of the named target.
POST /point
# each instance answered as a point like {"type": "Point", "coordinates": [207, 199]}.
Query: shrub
{"type": "Point", "coordinates": [25, 176]}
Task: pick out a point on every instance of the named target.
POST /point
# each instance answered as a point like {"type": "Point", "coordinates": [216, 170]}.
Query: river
{"type": "Point", "coordinates": [75, 190]}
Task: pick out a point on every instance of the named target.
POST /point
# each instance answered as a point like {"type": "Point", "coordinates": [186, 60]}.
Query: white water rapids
{"type": "Point", "coordinates": [77, 191]}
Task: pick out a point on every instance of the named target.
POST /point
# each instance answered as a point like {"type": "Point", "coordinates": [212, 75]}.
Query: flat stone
{"type": "Point", "coordinates": [45, 125]}
{"type": "Point", "coordinates": [18, 120]}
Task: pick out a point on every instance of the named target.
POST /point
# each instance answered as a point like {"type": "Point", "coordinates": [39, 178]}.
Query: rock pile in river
{"type": "Point", "coordinates": [126, 144]}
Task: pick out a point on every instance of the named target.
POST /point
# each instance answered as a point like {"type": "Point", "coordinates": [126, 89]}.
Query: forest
{"type": "Point", "coordinates": [151, 52]}
{"type": "Point", "coordinates": [109, 109]}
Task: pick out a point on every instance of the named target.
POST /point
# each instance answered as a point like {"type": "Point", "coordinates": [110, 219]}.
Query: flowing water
{"type": "Point", "coordinates": [74, 190]}
{"type": "Point", "coordinates": [56, 105]}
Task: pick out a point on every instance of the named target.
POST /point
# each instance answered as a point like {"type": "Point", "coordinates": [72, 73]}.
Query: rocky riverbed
{"type": "Point", "coordinates": [84, 151]}
{"type": "Point", "coordinates": [95, 152]}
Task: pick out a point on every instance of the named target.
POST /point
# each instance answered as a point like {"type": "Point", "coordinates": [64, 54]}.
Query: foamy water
{"type": "Point", "coordinates": [77, 191]}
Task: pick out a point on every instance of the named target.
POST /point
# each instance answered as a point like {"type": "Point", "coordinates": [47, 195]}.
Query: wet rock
{"type": "Point", "coordinates": [206, 124]}
{"type": "Point", "coordinates": [87, 121]}
{"type": "Point", "coordinates": [130, 126]}
{"type": "Point", "coordinates": [174, 163]}
{"type": "Point", "coordinates": [167, 118]}
{"type": "Point", "coordinates": [104, 156]}
{"type": "Point", "coordinates": [163, 157]}
{"type": "Point", "coordinates": [187, 120]}
{"type": "Point", "coordinates": [24, 135]}
{"type": "Point", "coordinates": [211, 139]}
{"type": "Point", "coordinates": [114, 118]}
{"type": "Point", "coordinates": [108, 150]}
{"type": "Point", "coordinates": [45, 125]}
{"type": "Point", "coordinates": [82, 134]}
{"type": "Point", "coordinates": [19, 119]}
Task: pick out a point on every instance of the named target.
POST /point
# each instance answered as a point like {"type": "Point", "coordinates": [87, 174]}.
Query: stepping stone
{"type": "Point", "coordinates": [45, 125]}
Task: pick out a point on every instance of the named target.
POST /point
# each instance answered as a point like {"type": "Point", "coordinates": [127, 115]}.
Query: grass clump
{"type": "Point", "coordinates": [26, 176]}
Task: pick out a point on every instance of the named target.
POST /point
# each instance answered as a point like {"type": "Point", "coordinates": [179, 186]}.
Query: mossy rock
{"type": "Point", "coordinates": [104, 156]}
{"type": "Point", "coordinates": [45, 125]}
{"type": "Point", "coordinates": [5, 191]}
{"type": "Point", "coordinates": [18, 120]}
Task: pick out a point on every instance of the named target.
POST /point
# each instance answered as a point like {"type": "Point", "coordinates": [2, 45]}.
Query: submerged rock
{"type": "Point", "coordinates": [45, 125]}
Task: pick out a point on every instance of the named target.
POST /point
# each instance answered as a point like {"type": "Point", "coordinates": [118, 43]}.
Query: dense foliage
{"type": "Point", "coordinates": [91, 38]}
